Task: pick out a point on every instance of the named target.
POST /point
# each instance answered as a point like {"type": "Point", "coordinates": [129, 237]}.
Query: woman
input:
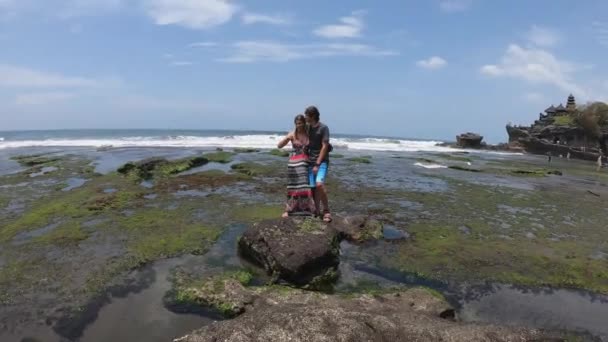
{"type": "Point", "coordinates": [300, 200]}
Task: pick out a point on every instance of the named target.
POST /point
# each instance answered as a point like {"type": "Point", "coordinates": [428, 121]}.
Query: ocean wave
{"type": "Point", "coordinates": [262, 141]}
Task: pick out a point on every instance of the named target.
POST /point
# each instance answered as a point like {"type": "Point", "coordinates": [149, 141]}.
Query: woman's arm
{"type": "Point", "coordinates": [285, 140]}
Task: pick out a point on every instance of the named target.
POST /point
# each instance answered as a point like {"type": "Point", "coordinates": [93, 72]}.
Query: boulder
{"type": "Point", "coordinates": [408, 315]}
{"type": "Point", "coordinates": [469, 140]}
{"type": "Point", "coordinates": [303, 252]}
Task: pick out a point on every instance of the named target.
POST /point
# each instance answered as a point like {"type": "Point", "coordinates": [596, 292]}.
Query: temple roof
{"type": "Point", "coordinates": [560, 108]}
{"type": "Point", "coordinates": [550, 109]}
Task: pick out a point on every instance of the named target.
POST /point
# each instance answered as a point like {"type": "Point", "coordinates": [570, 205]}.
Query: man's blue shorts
{"type": "Point", "coordinates": [320, 176]}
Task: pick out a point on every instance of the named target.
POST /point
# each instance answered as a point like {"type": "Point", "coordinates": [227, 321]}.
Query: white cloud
{"type": "Point", "coordinates": [256, 18]}
{"type": "Point", "coordinates": [20, 77]}
{"type": "Point", "coordinates": [202, 44]}
{"type": "Point", "coordinates": [600, 28]}
{"type": "Point", "coordinates": [180, 63]}
{"type": "Point", "coordinates": [432, 63]}
{"type": "Point", "coordinates": [455, 5]}
{"type": "Point", "coordinates": [349, 27]}
{"type": "Point", "coordinates": [43, 98]}
{"type": "Point", "coordinates": [194, 14]}
{"type": "Point", "coordinates": [543, 36]}
{"type": "Point", "coordinates": [271, 51]}
{"type": "Point", "coordinates": [536, 66]}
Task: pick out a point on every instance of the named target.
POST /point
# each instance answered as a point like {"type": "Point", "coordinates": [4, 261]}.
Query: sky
{"type": "Point", "coordinates": [415, 69]}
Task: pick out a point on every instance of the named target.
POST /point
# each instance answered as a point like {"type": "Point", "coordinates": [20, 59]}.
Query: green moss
{"type": "Point", "coordinates": [361, 160]}
{"type": "Point", "coordinates": [66, 234]}
{"type": "Point", "coordinates": [157, 167]}
{"type": "Point", "coordinates": [454, 157]}
{"type": "Point", "coordinates": [255, 213]}
{"type": "Point", "coordinates": [117, 200]}
{"type": "Point", "coordinates": [180, 165]}
{"type": "Point", "coordinates": [246, 150]}
{"type": "Point", "coordinates": [279, 152]}
{"type": "Point", "coordinates": [253, 169]}
{"type": "Point", "coordinates": [44, 211]}
{"type": "Point", "coordinates": [219, 157]}
{"type": "Point", "coordinates": [311, 225]}
{"type": "Point", "coordinates": [191, 292]}
{"type": "Point", "coordinates": [324, 282]}
{"type": "Point", "coordinates": [336, 155]}
{"type": "Point", "coordinates": [4, 201]}
{"type": "Point", "coordinates": [563, 120]}
{"type": "Point", "coordinates": [192, 239]}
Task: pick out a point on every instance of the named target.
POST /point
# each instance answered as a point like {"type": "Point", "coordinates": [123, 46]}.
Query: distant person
{"type": "Point", "coordinates": [568, 156]}
{"type": "Point", "coordinates": [599, 163]}
{"type": "Point", "coordinates": [319, 147]}
{"type": "Point", "coordinates": [549, 157]}
{"type": "Point", "coordinates": [300, 200]}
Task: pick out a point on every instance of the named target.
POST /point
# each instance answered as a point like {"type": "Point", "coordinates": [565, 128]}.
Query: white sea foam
{"type": "Point", "coordinates": [255, 141]}
{"type": "Point", "coordinates": [431, 166]}
{"type": "Point", "coordinates": [262, 141]}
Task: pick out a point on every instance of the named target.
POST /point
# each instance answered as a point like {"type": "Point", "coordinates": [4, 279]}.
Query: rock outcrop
{"type": "Point", "coordinates": [294, 315]}
{"type": "Point", "coordinates": [469, 140]}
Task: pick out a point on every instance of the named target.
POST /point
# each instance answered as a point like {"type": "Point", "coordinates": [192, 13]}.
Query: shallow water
{"type": "Point", "coordinates": [545, 308]}
{"type": "Point", "coordinates": [74, 183]}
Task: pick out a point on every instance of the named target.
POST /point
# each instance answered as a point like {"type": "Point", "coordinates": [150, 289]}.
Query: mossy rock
{"type": "Point", "coordinates": [34, 160]}
{"type": "Point", "coordinates": [219, 157]}
{"type": "Point", "coordinates": [224, 293]}
{"type": "Point", "coordinates": [536, 172]}
{"type": "Point", "coordinates": [279, 152]}
{"type": "Point", "coordinates": [463, 168]}
{"type": "Point", "coordinates": [246, 150]}
{"type": "Point", "coordinates": [159, 167]}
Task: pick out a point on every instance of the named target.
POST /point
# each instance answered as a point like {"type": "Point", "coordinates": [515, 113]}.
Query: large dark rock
{"type": "Point", "coordinates": [303, 252]}
{"type": "Point", "coordinates": [300, 316]}
{"type": "Point", "coordinates": [469, 140]}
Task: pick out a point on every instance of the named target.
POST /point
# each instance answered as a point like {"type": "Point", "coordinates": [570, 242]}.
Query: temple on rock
{"type": "Point", "coordinates": [552, 111]}
{"type": "Point", "coordinates": [556, 131]}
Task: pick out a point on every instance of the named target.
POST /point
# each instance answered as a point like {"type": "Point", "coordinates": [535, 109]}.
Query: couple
{"type": "Point", "coordinates": [307, 168]}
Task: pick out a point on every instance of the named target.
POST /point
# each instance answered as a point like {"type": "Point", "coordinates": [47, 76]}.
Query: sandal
{"type": "Point", "coordinates": [327, 217]}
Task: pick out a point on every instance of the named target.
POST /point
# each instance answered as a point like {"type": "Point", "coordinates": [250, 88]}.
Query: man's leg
{"type": "Point", "coordinates": [321, 191]}
{"type": "Point", "coordinates": [315, 194]}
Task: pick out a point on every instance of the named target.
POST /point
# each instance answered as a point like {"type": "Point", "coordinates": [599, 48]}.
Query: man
{"type": "Point", "coordinates": [318, 152]}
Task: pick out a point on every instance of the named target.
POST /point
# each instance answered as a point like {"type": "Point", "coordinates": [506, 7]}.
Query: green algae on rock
{"type": "Point", "coordinates": [159, 167]}
{"type": "Point", "coordinates": [221, 157]}
{"type": "Point", "coordinates": [224, 293]}
{"type": "Point", "coordinates": [34, 160]}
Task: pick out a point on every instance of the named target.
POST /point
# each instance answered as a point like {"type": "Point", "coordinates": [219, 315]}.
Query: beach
{"type": "Point", "coordinates": [88, 253]}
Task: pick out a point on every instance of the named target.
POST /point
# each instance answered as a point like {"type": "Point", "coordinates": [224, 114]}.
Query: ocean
{"type": "Point", "coordinates": [200, 139]}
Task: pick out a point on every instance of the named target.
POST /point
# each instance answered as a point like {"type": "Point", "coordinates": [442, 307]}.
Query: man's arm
{"type": "Point", "coordinates": [324, 146]}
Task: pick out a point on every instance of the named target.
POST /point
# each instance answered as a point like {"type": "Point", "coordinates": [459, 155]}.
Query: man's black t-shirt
{"type": "Point", "coordinates": [316, 136]}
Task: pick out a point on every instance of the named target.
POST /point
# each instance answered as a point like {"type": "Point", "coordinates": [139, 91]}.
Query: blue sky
{"type": "Point", "coordinates": [420, 69]}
